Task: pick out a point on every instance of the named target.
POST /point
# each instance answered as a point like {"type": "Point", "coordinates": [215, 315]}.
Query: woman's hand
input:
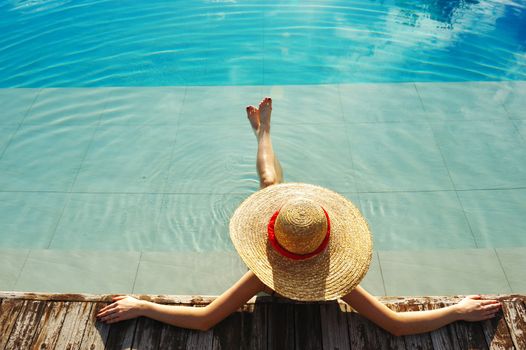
{"type": "Point", "coordinates": [123, 308]}
{"type": "Point", "coordinates": [474, 308]}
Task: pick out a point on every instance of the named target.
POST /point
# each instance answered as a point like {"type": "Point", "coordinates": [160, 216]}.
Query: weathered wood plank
{"type": "Point", "coordinates": [162, 299]}
{"type": "Point", "coordinates": [173, 338]}
{"type": "Point", "coordinates": [260, 325]}
{"type": "Point", "coordinates": [121, 335]}
{"type": "Point", "coordinates": [334, 328]}
{"type": "Point", "coordinates": [74, 325]}
{"type": "Point", "coordinates": [200, 340]}
{"type": "Point", "coordinates": [307, 327]}
{"type": "Point", "coordinates": [470, 335]}
{"type": "Point", "coordinates": [96, 332]}
{"type": "Point", "coordinates": [255, 328]}
{"type": "Point", "coordinates": [417, 341]}
{"type": "Point", "coordinates": [24, 329]}
{"type": "Point", "coordinates": [203, 300]}
{"type": "Point", "coordinates": [228, 333]}
{"type": "Point", "coordinates": [442, 338]}
{"type": "Point", "coordinates": [452, 331]}
{"type": "Point", "coordinates": [197, 340]}
{"type": "Point", "coordinates": [10, 310]}
{"type": "Point", "coordinates": [50, 325]}
{"type": "Point", "coordinates": [280, 326]}
{"type": "Point", "coordinates": [147, 334]}
{"type": "Point", "coordinates": [361, 335]}
{"type": "Point", "coordinates": [387, 340]}
{"type": "Point", "coordinates": [357, 333]}
{"type": "Point", "coordinates": [497, 333]}
{"type": "Point", "coordinates": [364, 334]}
{"type": "Point", "coordinates": [515, 314]}
{"type": "Point", "coordinates": [394, 342]}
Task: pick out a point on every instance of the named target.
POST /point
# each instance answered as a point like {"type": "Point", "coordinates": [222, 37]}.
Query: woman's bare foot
{"type": "Point", "coordinates": [265, 109]}
{"type": "Point", "coordinates": [253, 117]}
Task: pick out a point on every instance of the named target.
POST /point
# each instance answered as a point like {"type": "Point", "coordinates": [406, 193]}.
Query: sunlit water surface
{"type": "Point", "coordinates": [152, 43]}
{"type": "Point", "coordinates": [123, 135]}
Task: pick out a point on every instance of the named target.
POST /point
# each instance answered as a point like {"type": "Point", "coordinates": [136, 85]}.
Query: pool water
{"type": "Point", "coordinates": [88, 43]}
{"type": "Point", "coordinates": [124, 145]}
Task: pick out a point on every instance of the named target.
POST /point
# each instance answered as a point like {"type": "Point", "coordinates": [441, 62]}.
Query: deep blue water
{"type": "Point", "coordinates": [89, 43]}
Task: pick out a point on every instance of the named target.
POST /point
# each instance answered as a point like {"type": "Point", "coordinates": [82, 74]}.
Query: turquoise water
{"type": "Point", "coordinates": [87, 43]}
{"type": "Point", "coordinates": [124, 145]}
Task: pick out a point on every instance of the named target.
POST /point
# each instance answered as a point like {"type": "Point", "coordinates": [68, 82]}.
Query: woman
{"type": "Point", "coordinates": [305, 243]}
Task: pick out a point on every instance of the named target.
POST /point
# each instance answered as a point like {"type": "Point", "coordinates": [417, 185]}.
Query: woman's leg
{"type": "Point", "coordinates": [267, 164]}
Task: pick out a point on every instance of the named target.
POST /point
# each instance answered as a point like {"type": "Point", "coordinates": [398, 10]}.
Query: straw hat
{"type": "Point", "coordinates": [305, 242]}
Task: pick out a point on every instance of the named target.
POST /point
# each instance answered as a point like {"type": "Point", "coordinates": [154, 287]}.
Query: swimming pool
{"type": "Point", "coordinates": [124, 147]}
{"type": "Point", "coordinates": [61, 43]}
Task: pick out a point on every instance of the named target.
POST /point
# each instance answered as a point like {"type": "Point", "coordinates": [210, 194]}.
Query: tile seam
{"type": "Point", "coordinates": [255, 189]}
{"type": "Point", "coordinates": [20, 124]}
{"type": "Point", "coordinates": [420, 99]}
{"type": "Point", "coordinates": [508, 114]}
{"type": "Point", "coordinates": [347, 138]}
{"type": "Point", "coordinates": [96, 128]}
{"type": "Point", "coordinates": [21, 269]}
{"type": "Point", "coordinates": [139, 193]}
{"type": "Point", "coordinates": [71, 186]}
{"type": "Point", "coordinates": [163, 194]}
{"type": "Point", "coordinates": [514, 123]}
{"type": "Point", "coordinates": [174, 143]}
{"type": "Point", "coordinates": [454, 187]}
{"type": "Point", "coordinates": [381, 272]}
{"type": "Point", "coordinates": [430, 122]}
{"type": "Point", "coordinates": [503, 269]}
{"type": "Point", "coordinates": [136, 273]}
{"type": "Point", "coordinates": [181, 108]}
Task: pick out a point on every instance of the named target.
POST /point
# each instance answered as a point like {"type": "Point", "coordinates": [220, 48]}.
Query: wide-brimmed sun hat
{"type": "Point", "coordinates": [305, 242]}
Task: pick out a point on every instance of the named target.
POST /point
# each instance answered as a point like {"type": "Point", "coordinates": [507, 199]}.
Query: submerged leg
{"type": "Point", "coordinates": [267, 164]}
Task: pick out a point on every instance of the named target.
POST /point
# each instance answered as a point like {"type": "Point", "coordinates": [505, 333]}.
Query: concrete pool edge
{"type": "Point", "coordinates": [207, 299]}
{"type": "Point", "coordinates": [424, 272]}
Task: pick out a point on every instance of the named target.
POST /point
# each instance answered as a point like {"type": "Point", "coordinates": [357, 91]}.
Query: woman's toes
{"type": "Point", "coordinates": [253, 117]}
{"type": "Point", "coordinates": [266, 102]}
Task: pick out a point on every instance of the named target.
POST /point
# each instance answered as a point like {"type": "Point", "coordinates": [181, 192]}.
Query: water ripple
{"type": "Point", "coordinates": [106, 43]}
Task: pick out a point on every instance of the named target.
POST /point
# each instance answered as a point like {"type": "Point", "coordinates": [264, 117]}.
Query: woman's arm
{"type": "Point", "coordinates": [201, 318]}
{"type": "Point", "coordinates": [471, 308]}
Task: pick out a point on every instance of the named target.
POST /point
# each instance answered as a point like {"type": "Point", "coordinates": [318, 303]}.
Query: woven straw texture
{"type": "Point", "coordinates": [327, 276]}
{"type": "Point", "coordinates": [301, 226]}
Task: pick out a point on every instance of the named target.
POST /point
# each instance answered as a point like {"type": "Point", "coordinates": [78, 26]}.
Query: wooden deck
{"type": "Point", "coordinates": [66, 321]}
